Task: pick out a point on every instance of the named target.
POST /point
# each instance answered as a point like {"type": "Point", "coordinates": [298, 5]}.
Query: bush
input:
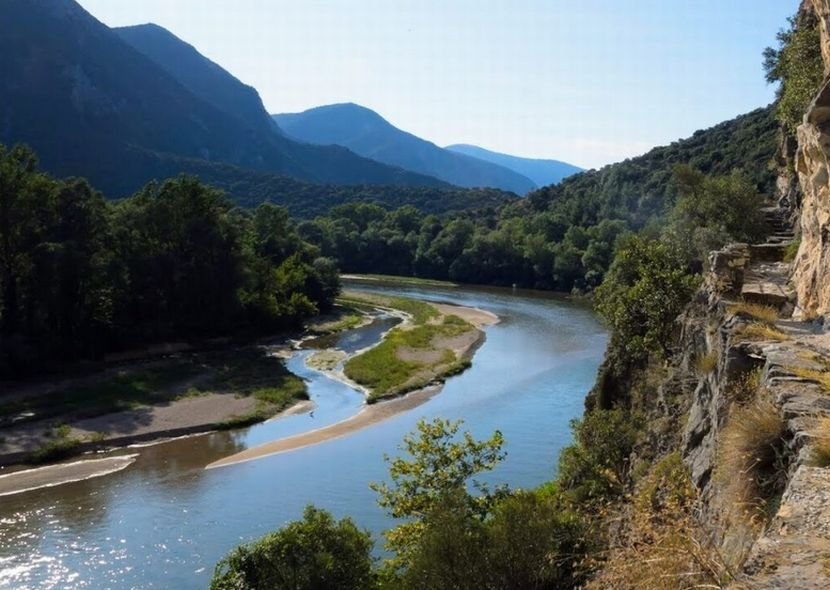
{"type": "Point", "coordinates": [315, 553]}
{"type": "Point", "coordinates": [754, 455]}
{"type": "Point", "coordinates": [595, 467]}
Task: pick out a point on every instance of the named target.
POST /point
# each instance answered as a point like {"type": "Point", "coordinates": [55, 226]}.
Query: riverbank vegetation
{"type": "Point", "coordinates": [240, 373]}
{"type": "Point", "coordinates": [431, 347]}
{"type": "Point", "coordinates": [561, 237]}
{"type": "Point", "coordinates": [81, 277]}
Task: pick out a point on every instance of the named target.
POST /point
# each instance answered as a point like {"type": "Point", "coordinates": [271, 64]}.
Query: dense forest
{"type": "Point", "coordinates": [81, 276]}
{"type": "Point", "coordinates": [561, 237]}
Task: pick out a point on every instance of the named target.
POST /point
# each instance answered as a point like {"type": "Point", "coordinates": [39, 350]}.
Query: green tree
{"type": "Point", "coordinates": [315, 553]}
{"type": "Point", "coordinates": [438, 469]}
{"type": "Point", "coordinates": [647, 287]}
{"type": "Point", "coordinates": [797, 64]}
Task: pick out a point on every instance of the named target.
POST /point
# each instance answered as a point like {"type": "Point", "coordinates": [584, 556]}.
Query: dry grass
{"type": "Point", "coordinates": [665, 546]}
{"type": "Point", "coordinates": [820, 377]}
{"type": "Point", "coordinates": [754, 457]}
{"type": "Point", "coordinates": [761, 331]}
{"type": "Point", "coordinates": [746, 387]}
{"type": "Point", "coordinates": [707, 363]}
{"type": "Point", "coordinates": [820, 443]}
{"type": "Point", "coordinates": [762, 313]}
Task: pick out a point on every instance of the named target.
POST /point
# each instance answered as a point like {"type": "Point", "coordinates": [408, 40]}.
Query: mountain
{"type": "Point", "coordinates": [203, 78]}
{"type": "Point", "coordinates": [366, 133]}
{"type": "Point", "coordinates": [89, 103]}
{"type": "Point", "coordinates": [542, 172]}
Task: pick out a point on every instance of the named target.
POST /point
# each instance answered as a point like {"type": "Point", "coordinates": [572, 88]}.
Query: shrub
{"type": "Point", "coordinates": [760, 331]}
{"type": "Point", "coordinates": [664, 546]}
{"type": "Point", "coordinates": [746, 387]}
{"type": "Point", "coordinates": [707, 363]}
{"type": "Point", "coordinates": [313, 553]}
{"type": "Point", "coordinates": [754, 455]}
{"type": "Point", "coordinates": [595, 467]}
{"type": "Point", "coordinates": [762, 313]}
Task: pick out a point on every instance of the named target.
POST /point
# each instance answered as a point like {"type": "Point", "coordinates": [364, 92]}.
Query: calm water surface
{"type": "Point", "coordinates": [165, 521]}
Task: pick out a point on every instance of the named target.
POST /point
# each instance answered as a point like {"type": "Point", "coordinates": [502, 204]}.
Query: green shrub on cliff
{"type": "Point", "coordinates": [647, 287]}
{"type": "Point", "coordinates": [798, 66]}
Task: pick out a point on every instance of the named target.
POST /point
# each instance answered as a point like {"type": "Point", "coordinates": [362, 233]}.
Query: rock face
{"type": "Point", "coordinates": [811, 276]}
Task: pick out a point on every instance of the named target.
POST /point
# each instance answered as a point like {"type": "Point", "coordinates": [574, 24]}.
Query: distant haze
{"type": "Point", "coordinates": [589, 82]}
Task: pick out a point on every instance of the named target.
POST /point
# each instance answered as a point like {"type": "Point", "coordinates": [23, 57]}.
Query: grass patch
{"type": "Point", "coordinates": [745, 388]}
{"type": "Point", "coordinates": [251, 373]}
{"type": "Point", "coordinates": [59, 446]}
{"type": "Point", "coordinates": [820, 443]}
{"type": "Point", "coordinates": [347, 317]}
{"type": "Point", "coordinates": [385, 373]}
{"type": "Point", "coordinates": [121, 392]}
{"type": "Point", "coordinates": [707, 363]}
{"type": "Point", "coordinates": [762, 313]}
{"type": "Point", "coordinates": [791, 251]}
{"type": "Point", "coordinates": [401, 280]}
{"type": "Point", "coordinates": [757, 331]}
{"type": "Point", "coordinates": [754, 457]}
{"type": "Point", "coordinates": [420, 311]}
{"type": "Point", "coordinates": [822, 378]}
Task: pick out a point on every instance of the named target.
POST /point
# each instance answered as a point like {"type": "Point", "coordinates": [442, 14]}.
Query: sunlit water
{"type": "Point", "coordinates": [165, 521]}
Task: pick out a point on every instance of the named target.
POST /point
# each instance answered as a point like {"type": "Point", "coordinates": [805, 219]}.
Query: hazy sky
{"type": "Point", "coordinates": [586, 81]}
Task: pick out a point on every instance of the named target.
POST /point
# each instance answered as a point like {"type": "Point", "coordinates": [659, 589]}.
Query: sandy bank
{"type": "Point", "coordinates": [368, 416]}
{"type": "Point", "coordinates": [145, 424]}
{"type": "Point", "coordinates": [54, 475]}
{"type": "Point", "coordinates": [464, 346]}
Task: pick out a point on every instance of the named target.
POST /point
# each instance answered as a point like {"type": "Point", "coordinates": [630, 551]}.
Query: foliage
{"type": "Point", "coordinates": [713, 210]}
{"type": "Point", "coordinates": [561, 237]}
{"type": "Point", "coordinates": [437, 470]}
{"type": "Point", "coordinates": [81, 277]}
{"type": "Point", "coordinates": [820, 442]}
{"type": "Point", "coordinates": [797, 64]}
{"type": "Point", "coordinates": [595, 467]}
{"type": "Point", "coordinates": [647, 287]}
{"type": "Point", "coordinates": [315, 553]}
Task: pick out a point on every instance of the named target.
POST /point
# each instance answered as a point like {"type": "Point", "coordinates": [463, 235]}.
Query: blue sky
{"type": "Point", "coordinates": [586, 81]}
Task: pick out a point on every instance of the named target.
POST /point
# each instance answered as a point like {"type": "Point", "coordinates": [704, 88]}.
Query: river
{"type": "Point", "coordinates": [165, 521]}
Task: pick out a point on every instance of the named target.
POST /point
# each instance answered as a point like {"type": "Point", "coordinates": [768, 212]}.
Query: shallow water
{"type": "Point", "coordinates": [165, 521]}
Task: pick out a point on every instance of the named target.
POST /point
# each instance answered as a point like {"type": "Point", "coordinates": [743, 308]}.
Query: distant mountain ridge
{"type": "Point", "coordinates": [542, 172]}
{"type": "Point", "coordinates": [89, 103]}
{"type": "Point", "coordinates": [370, 135]}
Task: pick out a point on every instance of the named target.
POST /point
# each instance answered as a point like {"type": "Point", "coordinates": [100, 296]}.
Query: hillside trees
{"type": "Point", "coordinates": [81, 276]}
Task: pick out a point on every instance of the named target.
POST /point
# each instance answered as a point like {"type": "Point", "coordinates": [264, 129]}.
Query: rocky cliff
{"type": "Point", "coordinates": [811, 276]}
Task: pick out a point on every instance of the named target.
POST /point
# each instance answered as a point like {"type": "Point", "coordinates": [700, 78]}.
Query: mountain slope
{"type": "Point", "coordinates": [86, 101]}
{"type": "Point", "coordinates": [542, 172]}
{"type": "Point", "coordinates": [203, 78]}
{"type": "Point", "coordinates": [368, 134]}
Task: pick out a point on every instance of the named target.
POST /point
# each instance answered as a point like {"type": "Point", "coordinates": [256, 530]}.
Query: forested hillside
{"type": "Point", "coordinates": [562, 237]}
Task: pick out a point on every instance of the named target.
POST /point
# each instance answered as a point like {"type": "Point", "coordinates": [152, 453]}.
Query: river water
{"type": "Point", "coordinates": [165, 521]}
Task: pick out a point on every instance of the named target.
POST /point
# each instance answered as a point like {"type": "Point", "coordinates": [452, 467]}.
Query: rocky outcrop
{"type": "Point", "coordinates": [789, 551]}
{"type": "Point", "coordinates": [811, 275]}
